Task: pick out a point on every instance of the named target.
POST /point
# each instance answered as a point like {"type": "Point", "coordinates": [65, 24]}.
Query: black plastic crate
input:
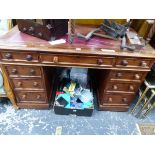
{"type": "Point", "coordinates": [79, 112]}
{"type": "Point", "coordinates": [61, 110]}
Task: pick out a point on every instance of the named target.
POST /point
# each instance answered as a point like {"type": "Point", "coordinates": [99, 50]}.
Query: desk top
{"type": "Point", "coordinates": [16, 40]}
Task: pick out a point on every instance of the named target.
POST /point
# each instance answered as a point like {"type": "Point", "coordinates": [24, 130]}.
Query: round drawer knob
{"type": "Point", "coordinates": [19, 84]}
{"type": "Point", "coordinates": [32, 71]}
{"type": "Point", "coordinates": [131, 87]}
{"type": "Point", "coordinates": [31, 29]}
{"type": "Point", "coordinates": [99, 61]}
{"type": "Point", "coordinates": [137, 77]}
{"type": "Point", "coordinates": [23, 96]}
{"type": "Point", "coordinates": [125, 100]}
{"type": "Point", "coordinates": [8, 55]}
{"type": "Point", "coordinates": [55, 59]}
{"type": "Point", "coordinates": [38, 97]}
{"type": "Point", "coordinates": [124, 62]}
{"type": "Point", "coordinates": [119, 74]}
{"type": "Point", "coordinates": [40, 34]}
{"type": "Point", "coordinates": [14, 71]}
{"type": "Point", "coordinates": [35, 84]}
{"type": "Point", "coordinates": [24, 29]}
{"type": "Point", "coordinates": [109, 99]}
{"type": "Point", "coordinates": [115, 87]}
{"type": "Point", "coordinates": [29, 57]}
{"type": "Point", "coordinates": [143, 64]}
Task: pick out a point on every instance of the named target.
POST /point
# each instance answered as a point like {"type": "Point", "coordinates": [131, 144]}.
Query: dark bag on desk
{"type": "Point", "coordinates": [44, 28]}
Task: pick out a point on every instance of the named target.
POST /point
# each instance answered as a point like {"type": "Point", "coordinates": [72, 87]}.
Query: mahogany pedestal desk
{"type": "Point", "coordinates": [29, 64]}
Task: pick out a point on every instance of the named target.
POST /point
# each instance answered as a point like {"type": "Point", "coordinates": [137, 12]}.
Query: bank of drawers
{"type": "Point", "coordinates": [28, 85]}
{"type": "Point", "coordinates": [76, 60]}
{"type": "Point", "coordinates": [120, 89]}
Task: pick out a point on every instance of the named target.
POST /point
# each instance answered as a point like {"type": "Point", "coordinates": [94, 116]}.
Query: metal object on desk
{"type": "Point", "coordinates": [112, 30]}
{"type": "Point", "coordinates": [124, 46]}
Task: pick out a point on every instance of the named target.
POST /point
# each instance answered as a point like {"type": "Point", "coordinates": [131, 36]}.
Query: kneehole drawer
{"type": "Point", "coordinates": [77, 60]}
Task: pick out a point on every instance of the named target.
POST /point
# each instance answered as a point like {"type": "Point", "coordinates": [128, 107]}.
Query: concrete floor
{"type": "Point", "coordinates": [45, 122]}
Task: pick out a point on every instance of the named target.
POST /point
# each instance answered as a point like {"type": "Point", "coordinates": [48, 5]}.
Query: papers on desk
{"type": "Point", "coordinates": [56, 42]}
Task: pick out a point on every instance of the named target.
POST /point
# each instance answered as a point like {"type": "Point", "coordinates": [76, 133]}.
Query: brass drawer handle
{"type": "Point", "coordinates": [119, 74]}
{"type": "Point", "coordinates": [99, 61]}
{"type": "Point", "coordinates": [137, 77]}
{"type": "Point", "coordinates": [131, 87]}
{"type": "Point", "coordinates": [32, 71]}
{"type": "Point", "coordinates": [23, 96]}
{"type": "Point", "coordinates": [55, 59]}
{"type": "Point", "coordinates": [38, 97]}
{"type": "Point", "coordinates": [125, 100]}
{"type": "Point", "coordinates": [115, 87]}
{"type": "Point", "coordinates": [40, 34]}
{"type": "Point", "coordinates": [35, 84]}
{"type": "Point", "coordinates": [29, 57]}
{"type": "Point", "coordinates": [143, 64]}
{"type": "Point", "coordinates": [14, 71]}
{"type": "Point", "coordinates": [124, 62]}
{"type": "Point", "coordinates": [19, 84]}
{"type": "Point", "coordinates": [8, 56]}
{"type": "Point", "coordinates": [24, 29]}
{"type": "Point", "coordinates": [109, 99]}
{"type": "Point", "coordinates": [31, 29]}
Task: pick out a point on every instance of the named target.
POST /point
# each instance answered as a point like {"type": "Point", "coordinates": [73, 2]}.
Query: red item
{"type": "Point", "coordinates": [58, 93]}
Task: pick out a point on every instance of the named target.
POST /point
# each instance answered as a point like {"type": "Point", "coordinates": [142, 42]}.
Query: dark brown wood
{"type": "Point", "coordinates": [28, 83]}
{"type": "Point", "coordinates": [21, 57]}
{"type": "Point", "coordinates": [77, 60]}
{"type": "Point", "coordinates": [28, 63]}
{"type": "Point", "coordinates": [25, 71]}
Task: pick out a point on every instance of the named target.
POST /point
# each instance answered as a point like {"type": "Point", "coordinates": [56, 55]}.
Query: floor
{"type": "Point", "coordinates": [45, 122]}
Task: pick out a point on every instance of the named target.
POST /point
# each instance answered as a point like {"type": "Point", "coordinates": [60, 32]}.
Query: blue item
{"type": "Point", "coordinates": [87, 105]}
{"type": "Point", "coordinates": [65, 96]}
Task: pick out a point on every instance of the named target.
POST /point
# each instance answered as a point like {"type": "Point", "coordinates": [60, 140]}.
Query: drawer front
{"type": "Point", "coordinates": [32, 84]}
{"type": "Point", "coordinates": [38, 97]}
{"type": "Point", "coordinates": [127, 76]}
{"type": "Point", "coordinates": [124, 87]}
{"type": "Point", "coordinates": [117, 99]}
{"type": "Point", "coordinates": [133, 63]}
{"type": "Point", "coordinates": [77, 60]}
{"type": "Point", "coordinates": [20, 56]}
{"type": "Point", "coordinates": [23, 71]}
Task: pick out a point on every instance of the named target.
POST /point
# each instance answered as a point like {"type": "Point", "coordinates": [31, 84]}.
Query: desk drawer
{"type": "Point", "coordinates": [127, 76]}
{"type": "Point", "coordinates": [117, 99]}
{"type": "Point", "coordinates": [133, 62]}
{"type": "Point", "coordinates": [19, 56]}
{"type": "Point", "coordinates": [24, 96]}
{"type": "Point", "coordinates": [123, 87]}
{"type": "Point", "coordinates": [32, 84]}
{"type": "Point", "coordinates": [77, 60]}
{"type": "Point", "coordinates": [23, 71]}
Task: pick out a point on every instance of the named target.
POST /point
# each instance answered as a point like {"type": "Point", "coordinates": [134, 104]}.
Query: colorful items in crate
{"type": "Point", "coordinates": [73, 96]}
